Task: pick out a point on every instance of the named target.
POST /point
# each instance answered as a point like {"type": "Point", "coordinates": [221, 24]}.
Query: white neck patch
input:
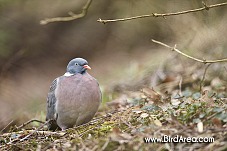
{"type": "Point", "coordinates": [67, 74]}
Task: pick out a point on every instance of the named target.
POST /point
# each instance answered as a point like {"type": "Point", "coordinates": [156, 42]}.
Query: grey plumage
{"type": "Point", "coordinates": [51, 103]}
{"type": "Point", "coordinates": [73, 99]}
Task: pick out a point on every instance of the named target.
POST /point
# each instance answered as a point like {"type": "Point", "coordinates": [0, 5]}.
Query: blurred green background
{"type": "Point", "coordinates": [32, 55]}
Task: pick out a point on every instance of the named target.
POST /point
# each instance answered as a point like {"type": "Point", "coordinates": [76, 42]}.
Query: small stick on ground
{"type": "Point", "coordinates": [6, 126]}
{"type": "Point", "coordinates": [180, 86]}
{"type": "Point", "coordinates": [59, 134]}
{"type": "Point", "coordinates": [213, 115]}
{"type": "Point", "coordinates": [204, 74]}
{"type": "Point", "coordinates": [35, 131]}
{"type": "Point", "coordinates": [28, 122]}
{"type": "Point", "coordinates": [106, 144]}
{"type": "Point", "coordinates": [14, 140]}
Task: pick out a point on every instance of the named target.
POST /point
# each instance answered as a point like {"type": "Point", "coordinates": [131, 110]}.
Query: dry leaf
{"type": "Point", "coordinates": [120, 137]}
{"type": "Point", "coordinates": [118, 103]}
{"type": "Point", "coordinates": [157, 122]}
{"type": "Point", "coordinates": [217, 122]}
{"type": "Point", "coordinates": [205, 98]}
{"type": "Point", "coordinates": [144, 115]}
{"type": "Point", "coordinates": [175, 101]}
{"type": "Point", "coordinates": [152, 95]}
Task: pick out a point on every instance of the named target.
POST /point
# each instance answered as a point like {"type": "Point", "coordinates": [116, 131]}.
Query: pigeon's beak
{"type": "Point", "coordinates": [87, 67]}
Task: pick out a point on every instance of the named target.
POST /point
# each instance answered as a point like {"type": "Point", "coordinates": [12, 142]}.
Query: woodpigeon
{"type": "Point", "coordinates": [74, 98]}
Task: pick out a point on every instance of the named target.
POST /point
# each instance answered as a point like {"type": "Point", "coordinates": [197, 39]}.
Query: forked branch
{"type": "Point", "coordinates": [69, 18]}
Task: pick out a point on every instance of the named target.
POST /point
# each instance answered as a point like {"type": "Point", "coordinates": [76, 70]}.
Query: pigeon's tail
{"type": "Point", "coordinates": [52, 125]}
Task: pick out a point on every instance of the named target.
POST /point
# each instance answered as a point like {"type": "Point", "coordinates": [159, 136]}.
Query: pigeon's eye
{"type": "Point", "coordinates": [76, 64]}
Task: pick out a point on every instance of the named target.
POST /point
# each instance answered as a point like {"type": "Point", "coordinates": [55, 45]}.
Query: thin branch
{"type": "Point", "coordinates": [204, 74]}
{"type": "Point", "coordinates": [213, 115]}
{"type": "Point", "coordinates": [26, 137]}
{"type": "Point", "coordinates": [106, 144]}
{"type": "Point", "coordinates": [69, 18]}
{"type": "Point", "coordinates": [44, 133]}
{"type": "Point", "coordinates": [206, 7]}
{"type": "Point", "coordinates": [190, 57]}
{"type": "Point", "coordinates": [225, 69]}
{"type": "Point", "coordinates": [28, 122]}
{"type": "Point", "coordinates": [35, 130]}
{"type": "Point", "coordinates": [31, 132]}
{"type": "Point", "coordinates": [180, 86]}
{"type": "Point", "coordinates": [6, 126]}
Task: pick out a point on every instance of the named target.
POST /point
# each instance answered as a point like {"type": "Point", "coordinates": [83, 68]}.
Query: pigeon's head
{"type": "Point", "coordinates": [77, 65]}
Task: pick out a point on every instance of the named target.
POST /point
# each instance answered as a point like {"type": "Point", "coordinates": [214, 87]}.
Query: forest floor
{"type": "Point", "coordinates": [182, 100]}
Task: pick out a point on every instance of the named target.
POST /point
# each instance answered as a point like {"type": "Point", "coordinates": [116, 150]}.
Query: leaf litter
{"type": "Point", "coordinates": [174, 106]}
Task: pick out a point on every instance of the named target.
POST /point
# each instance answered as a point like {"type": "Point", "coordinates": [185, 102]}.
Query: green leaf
{"type": "Point", "coordinates": [218, 109]}
{"type": "Point", "coordinates": [196, 95]}
{"type": "Point", "coordinates": [197, 120]}
{"type": "Point", "coordinates": [202, 115]}
{"type": "Point", "coordinates": [187, 93]}
{"type": "Point", "coordinates": [151, 108]}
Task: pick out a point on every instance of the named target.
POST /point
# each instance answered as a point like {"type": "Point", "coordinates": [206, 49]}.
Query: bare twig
{"type": "Point", "coordinates": [69, 18]}
{"type": "Point", "coordinates": [29, 134]}
{"type": "Point", "coordinates": [58, 134]}
{"type": "Point", "coordinates": [204, 74]}
{"type": "Point", "coordinates": [35, 131]}
{"type": "Point", "coordinates": [28, 122]}
{"type": "Point", "coordinates": [206, 7]}
{"type": "Point", "coordinates": [213, 115]}
{"type": "Point", "coordinates": [106, 144]}
{"type": "Point", "coordinates": [225, 69]}
{"type": "Point", "coordinates": [6, 126]}
{"type": "Point", "coordinates": [190, 57]}
{"type": "Point", "coordinates": [180, 86]}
